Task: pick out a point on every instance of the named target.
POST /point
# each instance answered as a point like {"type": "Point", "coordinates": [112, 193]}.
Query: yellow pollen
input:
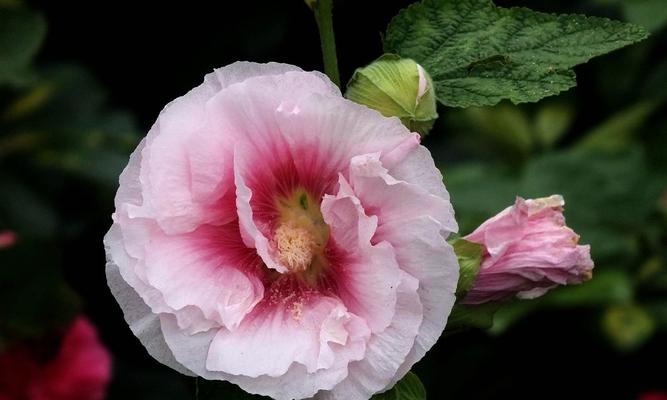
{"type": "Point", "coordinates": [295, 246]}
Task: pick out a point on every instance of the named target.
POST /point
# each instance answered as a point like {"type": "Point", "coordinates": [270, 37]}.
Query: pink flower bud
{"type": "Point", "coordinates": [527, 251]}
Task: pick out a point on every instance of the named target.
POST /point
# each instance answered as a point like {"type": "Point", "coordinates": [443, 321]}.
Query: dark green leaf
{"type": "Point", "coordinates": [34, 298]}
{"type": "Point", "coordinates": [465, 316]}
{"type": "Point", "coordinates": [25, 211]}
{"type": "Point", "coordinates": [479, 54]}
{"type": "Point", "coordinates": [21, 34]}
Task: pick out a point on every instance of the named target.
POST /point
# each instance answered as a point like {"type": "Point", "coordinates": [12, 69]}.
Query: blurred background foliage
{"type": "Point", "coordinates": [81, 82]}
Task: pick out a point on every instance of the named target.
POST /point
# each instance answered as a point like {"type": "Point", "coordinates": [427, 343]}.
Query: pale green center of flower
{"type": "Point", "coordinates": [301, 235]}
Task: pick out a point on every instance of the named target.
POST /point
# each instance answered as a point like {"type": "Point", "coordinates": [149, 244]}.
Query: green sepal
{"type": "Point", "coordinates": [469, 255]}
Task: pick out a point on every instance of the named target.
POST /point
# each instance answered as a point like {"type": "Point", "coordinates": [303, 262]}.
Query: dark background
{"type": "Point", "coordinates": [144, 54]}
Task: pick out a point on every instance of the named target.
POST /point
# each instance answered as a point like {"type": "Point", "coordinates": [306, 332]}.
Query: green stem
{"type": "Point", "coordinates": [323, 16]}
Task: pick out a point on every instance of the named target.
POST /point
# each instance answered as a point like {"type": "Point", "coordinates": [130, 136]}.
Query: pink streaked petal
{"type": "Point", "coordinates": [369, 280]}
{"type": "Point", "coordinates": [201, 270]}
{"type": "Point", "coordinates": [128, 266]}
{"type": "Point", "coordinates": [391, 199]}
{"type": "Point", "coordinates": [422, 251]}
{"type": "Point", "coordinates": [250, 233]}
{"type": "Point", "coordinates": [416, 223]}
{"type": "Point", "coordinates": [184, 177]}
{"type": "Point", "coordinates": [248, 109]}
{"type": "Point", "coordinates": [250, 114]}
{"type": "Point", "coordinates": [417, 167]}
{"type": "Point", "coordinates": [188, 164]}
{"type": "Point", "coordinates": [129, 189]}
{"type": "Point", "coordinates": [350, 227]}
{"type": "Point", "coordinates": [144, 322]}
{"type": "Point", "coordinates": [272, 339]}
{"type": "Point", "coordinates": [397, 155]}
{"type": "Point", "coordinates": [133, 271]}
{"type": "Point", "coordinates": [194, 350]}
{"type": "Point", "coordinates": [386, 351]}
{"type": "Point", "coordinates": [344, 129]}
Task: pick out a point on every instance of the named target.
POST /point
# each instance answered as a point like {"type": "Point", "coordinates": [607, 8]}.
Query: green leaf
{"type": "Point", "coordinates": [480, 54]}
{"type": "Point", "coordinates": [21, 35]}
{"type": "Point", "coordinates": [628, 326]}
{"type": "Point", "coordinates": [469, 255]}
{"type": "Point", "coordinates": [56, 128]}
{"type": "Point", "coordinates": [408, 388]}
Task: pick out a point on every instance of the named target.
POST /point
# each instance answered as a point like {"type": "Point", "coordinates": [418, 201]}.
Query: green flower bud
{"type": "Point", "coordinates": [396, 87]}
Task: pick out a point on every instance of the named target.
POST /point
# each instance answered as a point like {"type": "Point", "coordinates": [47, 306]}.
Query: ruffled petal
{"type": "Point", "coordinates": [205, 270]}
{"type": "Point", "coordinates": [312, 333]}
{"type": "Point", "coordinates": [386, 351]}
{"type": "Point", "coordinates": [416, 223]}
{"type": "Point", "coordinates": [144, 323]}
{"type": "Point", "coordinates": [186, 168]}
{"type": "Point", "coordinates": [205, 353]}
{"type": "Point", "coordinates": [368, 282]}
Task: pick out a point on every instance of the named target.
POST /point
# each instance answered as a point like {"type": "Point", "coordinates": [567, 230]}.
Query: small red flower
{"type": "Point", "coordinates": [7, 239]}
{"type": "Point", "coordinates": [80, 370]}
{"type": "Point", "coordinates": [653, 396]}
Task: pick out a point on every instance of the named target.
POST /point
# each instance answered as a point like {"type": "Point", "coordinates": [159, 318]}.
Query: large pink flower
{"type": "Point", "coordinates": [80, 370]}
{"type": "Point", "coordinates": [273, 234]}
{"type": "Point", "coordinates": [528, 250]}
